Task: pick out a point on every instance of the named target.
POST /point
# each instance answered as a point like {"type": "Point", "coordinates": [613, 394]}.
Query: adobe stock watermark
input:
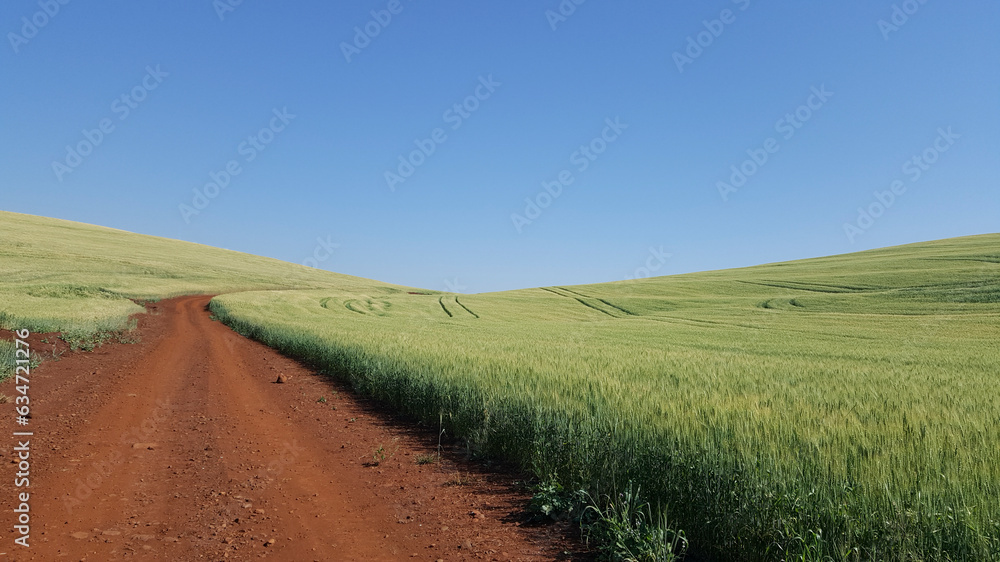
{"type": "Point", "coordinates": [899, 17]}
{"type": "Point", "coordinates": [454, 286]}
{"type": "Point", "coordinates": [225, 7]}
{"type": "Point", "coordinates": [264, 477]}
{"type": "Point", "coordinates": [562, 13]}
{"type": "Point", "coordinates": [103, 469]}
{"type": "Point", "coordinates": [365, 34]}
{"type": "Point", "coordinates": [655, 261]}
{"type": "Point", "coordinates": [322, 252]}
{"type": "Point", "coordinates": [714, 28]}
{"type": "Point", "coordinates": [914, 169]}
{"type": "Point", "coordinates": [31, 26]}
{"type": "Point", "coordinates": [290, 453]}
{"type": "Point", "coordinates": [249, 150]}
{"type": "Point", "coordinates": [455, 116]}
{"type": "Point", "coordinates": [122, 106]}
{"type": "Point", "coordinates": [787, 127]}
{"type": "Point", "coordinates": [581, 159]}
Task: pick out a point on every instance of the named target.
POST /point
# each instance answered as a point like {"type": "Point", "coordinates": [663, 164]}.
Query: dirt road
{"type": "Point", "coordinates": [183, 447]}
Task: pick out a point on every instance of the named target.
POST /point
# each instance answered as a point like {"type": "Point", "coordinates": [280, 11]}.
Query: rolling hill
{"type": "Point", "coordinates": [832, 408]}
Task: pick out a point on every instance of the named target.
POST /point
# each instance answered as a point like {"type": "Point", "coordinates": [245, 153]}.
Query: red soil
{"type": "Point", "coordinates": [183, 447]}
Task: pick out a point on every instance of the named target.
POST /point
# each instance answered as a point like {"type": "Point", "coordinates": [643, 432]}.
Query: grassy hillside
{"type": "Point", "coordinates": [826, 409]}
{"type": "Point", "coordinates": [64, 276]}
{"type": "Point", "coordinates": [834, 408]}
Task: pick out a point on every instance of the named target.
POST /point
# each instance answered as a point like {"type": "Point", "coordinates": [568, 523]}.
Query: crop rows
{"type": "Point", "coordinates": [859, 421]}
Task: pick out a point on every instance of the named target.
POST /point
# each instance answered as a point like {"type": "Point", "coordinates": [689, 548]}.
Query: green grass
{"type": "Point", "coordinates": [842, 408]}
{"type": "Point", "coordinates": [836, 408]}
{"type": "Point", "coordinates": [7, 358]}
{"type": "Point", "coordinates": [82, 279]}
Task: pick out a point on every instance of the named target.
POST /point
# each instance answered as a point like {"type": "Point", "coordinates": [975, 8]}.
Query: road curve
{"type": "Point", "coordinates": [183, 447]}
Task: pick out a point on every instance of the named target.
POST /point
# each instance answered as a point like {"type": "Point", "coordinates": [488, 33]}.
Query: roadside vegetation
{"type": "Point", "coordinates": [6, 359]}
{"type": "Point", "coordinates": [841, 408]}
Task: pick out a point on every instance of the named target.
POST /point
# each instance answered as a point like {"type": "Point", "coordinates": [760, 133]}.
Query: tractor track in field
{"type": "Point", "coordinates": [600, 305]}
{"type": "Point", "coordinates": [452, 312]}
{"type": "Point", "coordinates": [183, 447]}
{"type": "Point", "coordinates": [467, 309]}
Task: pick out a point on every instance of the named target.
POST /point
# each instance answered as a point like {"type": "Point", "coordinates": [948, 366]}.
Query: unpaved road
{"type": "Point", "coordinates": [183, 447]}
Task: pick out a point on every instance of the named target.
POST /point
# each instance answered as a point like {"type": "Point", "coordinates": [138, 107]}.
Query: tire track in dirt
{"type": "Point", "coordinates": [182, 447]}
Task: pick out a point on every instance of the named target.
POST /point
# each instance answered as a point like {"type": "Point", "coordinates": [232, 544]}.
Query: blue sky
{"type": "Point", "coordinates": [309, 129]}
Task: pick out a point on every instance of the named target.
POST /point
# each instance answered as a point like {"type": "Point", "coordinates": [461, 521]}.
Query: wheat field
{"type": "Point", "coordinates": [835, 408]}
{"type": "Point", "coordinates": [840, 408]}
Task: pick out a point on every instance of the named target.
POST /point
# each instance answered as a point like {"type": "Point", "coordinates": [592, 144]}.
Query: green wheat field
{"type": "Point", "coordinates": [839, 408]}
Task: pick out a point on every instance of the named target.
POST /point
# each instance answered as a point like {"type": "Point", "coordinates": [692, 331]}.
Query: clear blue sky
{"type": "Point", "coordinates": [543, 93]}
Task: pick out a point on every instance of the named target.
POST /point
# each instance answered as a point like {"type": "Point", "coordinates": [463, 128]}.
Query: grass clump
{"type": "Point", "coordinates": [9, 357]}
{"type": "Point", "coordinates": [426, 459]}
{"type": "Point", "coordinates": [625, 530]}
{"type": "Point", "coordinates": [6, 359]}
{"type": "Point", "coordinates": [84, 338]}
{"type": "Point", "coordinates": [552, 501]}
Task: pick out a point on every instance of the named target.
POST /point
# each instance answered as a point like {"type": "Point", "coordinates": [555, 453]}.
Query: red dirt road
{"type": "Point", "coordinates": [182, 447]}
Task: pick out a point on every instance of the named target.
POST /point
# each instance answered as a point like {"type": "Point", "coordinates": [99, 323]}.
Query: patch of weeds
{"type": "Point", "coordinates": [6, 359]}
{"type": "Point", "coordinates": [552, 501]}
{"type": "Point", "coordinates": [379, 455]}
{"type": "Point", "coordinates": [426, 459]}
{"type": "Point", "coordinates": [458, 480]}
{"type": "Point", "coordinates": [213, 317]}
{"type": "Point", "coordinates": [81, 339]}
{"type": "Point", "coordinates": [322, 400]}
{"type": "Point", "coordinates": [78, 339]}
{"type": "Point", "coordinates": [625, 530]}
